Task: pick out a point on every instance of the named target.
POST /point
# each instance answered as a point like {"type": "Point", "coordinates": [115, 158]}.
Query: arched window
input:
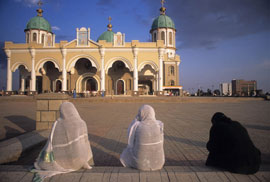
{"type": "Point", "coordinates": [129, 84]}
{"type": "Point", "coordinates": [34, 37]}
{"type": "Point", "coordinates": [171, 70]}
{"type": "Point", "coordinates": [155, 37]}
{"type": "Point", "coordinates": [42, 38]}
{"type": "Point", "coordinates": [170, 38]}
{"type": "Point", "coordinates": [27, 37]}
{"type": "Point", "coordinates": [163, 36]}
{"type": "Point", "coordinates": [172, 83]}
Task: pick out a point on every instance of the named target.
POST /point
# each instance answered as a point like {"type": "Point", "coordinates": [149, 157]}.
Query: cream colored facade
{"type": "Point", "coordinates": [90, 67]}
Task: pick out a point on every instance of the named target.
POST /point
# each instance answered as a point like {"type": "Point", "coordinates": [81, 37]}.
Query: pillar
{"type": "Point", "coordinates": [9, 73]}
{"type": "Point", "coordinates": [102, 55]}
{"type": "Point", "coordinates": [160, 75]}
{"type": "Point", "coordinates": [33, 73]}
{"type": "Point", "coordinates": [64, 71]}
{"type": "Point", "coordinates": [135, 71]}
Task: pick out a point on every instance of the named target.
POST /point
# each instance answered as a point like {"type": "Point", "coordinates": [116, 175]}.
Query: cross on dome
{"type": "Point", "coordinates": [39, 10]}
{"type": "Point", "coordinates": [109, 25]}
{"type": "Point", "coordinates": [162, 9]}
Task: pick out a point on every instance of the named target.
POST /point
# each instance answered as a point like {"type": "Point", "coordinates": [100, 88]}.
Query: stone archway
{"type": "Point", "coordinates": [119, 71]}
{"type": "Point", "coordinates": [87, 82]}
{"type": "Point", "coordinates": [147, 79]}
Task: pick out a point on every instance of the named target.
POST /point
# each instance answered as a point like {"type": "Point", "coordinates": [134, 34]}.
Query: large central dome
{"type": "Point", "coordinates": [40, 23]}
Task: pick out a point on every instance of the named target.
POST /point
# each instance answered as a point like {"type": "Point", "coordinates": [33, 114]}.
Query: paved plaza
{"type": "Point", "coordinates": [186, 127]}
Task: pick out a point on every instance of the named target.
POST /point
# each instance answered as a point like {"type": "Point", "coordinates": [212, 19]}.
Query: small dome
{"type": "Point", "coordinates": [162, 21]}
{"type": "Point", "coordinates": [39, 22]}
{"type": "Point", "coordinates": [108, 36]}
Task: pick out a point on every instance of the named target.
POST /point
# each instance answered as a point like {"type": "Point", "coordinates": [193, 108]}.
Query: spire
{"type": "Point", "coordinates": [162, 9]}
{"type": "Point", "coordinates": [109, 25]}
{"type": "Point", "coordinates": [39, 10]}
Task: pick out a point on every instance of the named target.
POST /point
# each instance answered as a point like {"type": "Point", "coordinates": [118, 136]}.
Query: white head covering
{"type": "Point", "coordinates": [145, 142]}
{"type": "Point", "coordinates": [68, 148]}
{"type": "Point", "coordinates": [146, 113]}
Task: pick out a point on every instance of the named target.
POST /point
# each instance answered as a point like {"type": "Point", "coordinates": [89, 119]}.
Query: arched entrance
{"type": "Point", "coordinates": [91, 85]}
{"type": "Point", "coordinates": [120, 87]}
{"type": "Point", "coordinates": [58, 86]}
{"type": "Point", "coordinates": [147, 80]}
{"type": "Point", "coordinates": [118, 75]}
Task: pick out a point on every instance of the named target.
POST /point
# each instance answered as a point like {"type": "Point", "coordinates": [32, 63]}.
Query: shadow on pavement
{"type": "Point", "coordinates": [186, 141]}
{"type": "Point", "coordinates": [24, 122]}
{"type": "Point", "coordinates": [258, 127]}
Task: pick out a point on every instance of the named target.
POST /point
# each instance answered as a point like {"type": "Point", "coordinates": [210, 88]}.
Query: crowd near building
{"type": "Point", "coordinates": [109, 65]}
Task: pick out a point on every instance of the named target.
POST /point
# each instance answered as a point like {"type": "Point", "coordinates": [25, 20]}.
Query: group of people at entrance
{"type": "Point", "coordinates": [68, 147]}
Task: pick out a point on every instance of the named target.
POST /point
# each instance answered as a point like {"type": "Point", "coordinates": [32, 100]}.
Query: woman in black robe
{"type": "Point", "coordinates": [231, 148]}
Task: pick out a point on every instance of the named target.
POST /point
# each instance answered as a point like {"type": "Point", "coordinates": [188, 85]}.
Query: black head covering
{"type": "Point", "coordinates": [220, 117]}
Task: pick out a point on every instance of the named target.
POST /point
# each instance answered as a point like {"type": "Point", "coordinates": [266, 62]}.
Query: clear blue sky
{"type": "Point", "coordinates": [217, 40]}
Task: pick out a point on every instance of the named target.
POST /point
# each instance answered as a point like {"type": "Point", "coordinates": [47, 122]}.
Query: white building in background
{"type": "Point", "coordinates": [226, 89]}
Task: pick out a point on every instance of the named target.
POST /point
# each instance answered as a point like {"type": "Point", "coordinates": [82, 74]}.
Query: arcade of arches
{"type": "Point", "coordinates": [85, 78]}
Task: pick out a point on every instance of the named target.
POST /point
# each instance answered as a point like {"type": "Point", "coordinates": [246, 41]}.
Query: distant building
{"type": "Point", "coordinates": [243, 88]}
{"type": "Point", "coordinates": [226, 89]}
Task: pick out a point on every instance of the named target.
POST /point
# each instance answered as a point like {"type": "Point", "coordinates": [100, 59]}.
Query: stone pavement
{"type": "Point", "coordinates": [186, 133]}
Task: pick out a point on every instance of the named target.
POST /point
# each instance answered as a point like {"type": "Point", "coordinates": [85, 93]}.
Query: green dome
{"type": "Point", "coordinates": [108, 36]}
{"type": "Point", "coordinates": [39, 22]}
{"type": "Point", "coordinates": [162, 21]}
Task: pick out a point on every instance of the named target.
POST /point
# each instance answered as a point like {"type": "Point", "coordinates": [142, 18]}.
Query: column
{"type": "Point", "coordinates": [9, 73]}
{"type": "Point", "coordinates": [135, 70]}
{"type": "Point", "coordinates": [102, 54]}
{"type": "Point", "coordinates": [160, 56]}
{"type": "Point", "coordinates": [22, 84]}
{"type": "Point", "coordinates": [64, 71]}
{"type": "Point", "coordinates": [33, 73]}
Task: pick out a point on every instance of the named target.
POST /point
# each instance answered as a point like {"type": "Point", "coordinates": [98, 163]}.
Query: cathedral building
{"type": "Point", "coordinates": [107, 66]}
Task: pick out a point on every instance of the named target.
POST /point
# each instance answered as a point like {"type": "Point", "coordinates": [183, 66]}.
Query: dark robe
{"type": "Point", "coordinates": [231, 148]}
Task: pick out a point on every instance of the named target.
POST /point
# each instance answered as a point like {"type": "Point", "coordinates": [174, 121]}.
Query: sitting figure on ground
{"type": "Point", "coordinates": [67, 148]}
{"type": "Point", "coordinates": [145, 142]}
{"type": "Point", "coordinates": [231, 148]}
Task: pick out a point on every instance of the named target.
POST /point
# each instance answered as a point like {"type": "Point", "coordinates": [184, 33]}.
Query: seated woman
{"type": "Point", "coordinates": [67, 148]}
{"type": "Point", "coordinates": [230, 147]}
{"type": "Point", "coordinates": [145, 142]}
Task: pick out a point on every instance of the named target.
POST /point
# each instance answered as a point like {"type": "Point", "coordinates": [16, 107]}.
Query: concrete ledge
{"type": "Point", "coordinates": [11, 149]}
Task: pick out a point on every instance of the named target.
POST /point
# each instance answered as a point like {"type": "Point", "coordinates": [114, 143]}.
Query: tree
{"type": "Point", "coordinates": [216, 92]}
{"type": "Point", "coordinates": [209, 92]}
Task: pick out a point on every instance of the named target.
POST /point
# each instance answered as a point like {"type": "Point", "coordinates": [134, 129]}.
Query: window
{"type": "Point", "coordinates": [163, 36]}
{"type": "Point", "coordinates": [34, 37]}
{"type": "Point", "coordinates": [155, 37]}
{"type": "Point", "coordinates": [27, 37]}
{"type": "Point", "coordinates": [172, 83]}
{"type": "Point", "coordinates": [171, 70]}
{"type": "Point", "coordinates": [170, 38]}
{"type": "Point", "coordinates": [42, 39]}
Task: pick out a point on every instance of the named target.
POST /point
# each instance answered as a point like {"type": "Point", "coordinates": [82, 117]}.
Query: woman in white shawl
{"type": "Point", "coordinates": [67, 148]}
{"type": "Point", "coordinates": [145, 142]}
